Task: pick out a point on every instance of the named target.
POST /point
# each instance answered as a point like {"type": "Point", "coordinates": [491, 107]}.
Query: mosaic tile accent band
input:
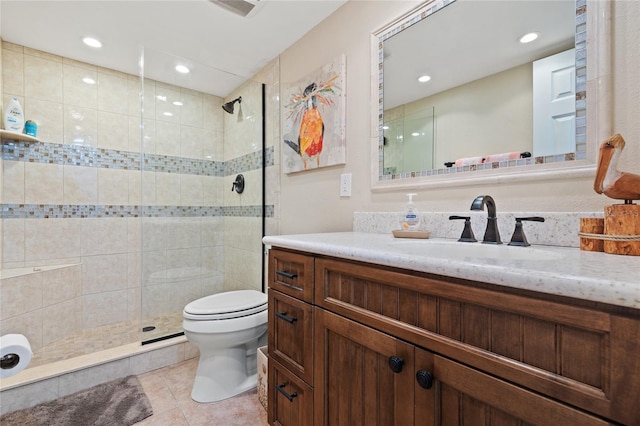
{"type": "Point", "coordinates": [76, 155]}
{"type": "Point", "coordinates": [61, 211]}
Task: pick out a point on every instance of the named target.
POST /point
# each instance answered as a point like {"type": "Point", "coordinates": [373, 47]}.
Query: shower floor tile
{"type": "Point", "coordinates": [169, 392]}
{"type": "Point", "coordinates": [105, 337]}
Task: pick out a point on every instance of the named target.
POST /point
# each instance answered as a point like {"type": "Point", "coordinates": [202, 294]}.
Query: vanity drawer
{"type": "Point", "coordinates": [291, 334]}
{"type": "Point", "coordinates": [290, 399]}
{"type": "Point", "coordinates": [291, 273]}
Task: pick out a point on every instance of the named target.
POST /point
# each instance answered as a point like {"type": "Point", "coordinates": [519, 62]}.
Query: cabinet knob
{"type": "Point", "coordinates": [425, 379]}
{"type": "Point", "coordinates": [396, 363]}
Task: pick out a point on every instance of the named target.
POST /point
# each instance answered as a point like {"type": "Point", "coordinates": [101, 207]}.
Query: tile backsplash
{"type": "Point", "coordinates": [558, 229]}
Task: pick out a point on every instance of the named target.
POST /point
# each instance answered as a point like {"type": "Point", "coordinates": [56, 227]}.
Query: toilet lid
{"type": "Point", "coordinates": [229, 304]}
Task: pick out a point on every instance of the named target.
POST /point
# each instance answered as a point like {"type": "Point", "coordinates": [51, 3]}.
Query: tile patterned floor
{"type": "Point", "coordinates": [169, 391]}
{"type": "Point", "coordinates": [109, 336]}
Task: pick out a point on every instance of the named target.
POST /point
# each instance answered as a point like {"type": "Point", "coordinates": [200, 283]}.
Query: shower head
{"type": "Point", "coordinates": [228, 107]}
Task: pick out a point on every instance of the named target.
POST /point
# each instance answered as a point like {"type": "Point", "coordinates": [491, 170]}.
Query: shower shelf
{"type": "Point", "coordinates": [6, 134]}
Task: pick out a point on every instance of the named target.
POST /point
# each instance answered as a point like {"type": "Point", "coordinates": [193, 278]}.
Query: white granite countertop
{"type": "Point", "coordinates": [566, 271]}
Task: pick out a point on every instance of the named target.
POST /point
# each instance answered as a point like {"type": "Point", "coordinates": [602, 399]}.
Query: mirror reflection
{"type": "Point", "coordinates": [488, 97]}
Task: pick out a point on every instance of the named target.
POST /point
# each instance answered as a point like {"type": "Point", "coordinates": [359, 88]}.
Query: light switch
{"type": "Point", "coordinates": [345, 185]}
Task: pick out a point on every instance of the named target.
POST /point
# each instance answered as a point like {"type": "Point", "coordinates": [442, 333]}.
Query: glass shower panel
{"type": "Point", "coordinates": [192, 226]}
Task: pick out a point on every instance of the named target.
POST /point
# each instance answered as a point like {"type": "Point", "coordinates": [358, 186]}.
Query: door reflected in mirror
{"type": "Point", "coordinates": [493, 101]}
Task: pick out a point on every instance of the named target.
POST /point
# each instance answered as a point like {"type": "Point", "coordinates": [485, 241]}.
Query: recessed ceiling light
{"type": "Point", "coordinates": [177, 103]}
{"type": "Point", "coordinates": [528, 38]}
{"type": "Point", "coordinates": [161, 98]}
{"type": "Point", "coordinates": [424, 78]}
{"type": "Point", "coordinates": [168, 114]}
{"type": "Point", "coordinates": [182, 69]}
{"type": "Point", "coordinates": [415, 134]}
{"type": "Point", "coordinates": [385, 127]}
{"type": "Point", "coordinates": [89, 80]}
{"type": "Point", "coordinates": [92, 42]}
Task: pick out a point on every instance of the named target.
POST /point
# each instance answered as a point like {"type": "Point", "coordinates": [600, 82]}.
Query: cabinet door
{"type": "Point", "coordinates": [354, 381]}
{"type": "Point", "coordinates": [290, 399]}
{"type": "Point", "coordinates": [291, 334]}
{"type": "Point", "coordinates": [461, 395]}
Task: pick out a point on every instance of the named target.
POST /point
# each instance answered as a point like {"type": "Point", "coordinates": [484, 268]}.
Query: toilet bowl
{"type": "Point", "coordinates": [227, 328]}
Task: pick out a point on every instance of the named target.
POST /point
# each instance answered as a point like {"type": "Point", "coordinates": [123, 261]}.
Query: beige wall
{"type": "Point", "coordinates": [310, 201]}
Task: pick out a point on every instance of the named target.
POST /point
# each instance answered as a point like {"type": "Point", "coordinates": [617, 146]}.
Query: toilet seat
{"type": "Point", "coordinates": [227, 305]}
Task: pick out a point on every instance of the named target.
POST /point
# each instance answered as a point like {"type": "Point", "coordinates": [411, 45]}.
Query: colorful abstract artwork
{"type": "Point", "coordinates": [314, 119]}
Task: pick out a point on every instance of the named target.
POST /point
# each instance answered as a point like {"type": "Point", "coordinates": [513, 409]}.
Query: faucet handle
{"type": "Point", "coordinates": [518, 238]}
{"type": "Point", "coordinates": [467, 233]}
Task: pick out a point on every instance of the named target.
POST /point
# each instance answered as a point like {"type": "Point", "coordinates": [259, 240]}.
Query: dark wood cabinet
{"type": "Point", "coordinates": [484, 355]}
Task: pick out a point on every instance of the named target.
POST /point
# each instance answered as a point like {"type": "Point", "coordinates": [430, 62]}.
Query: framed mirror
{"type": "Point", "coordinates": [480, 113]}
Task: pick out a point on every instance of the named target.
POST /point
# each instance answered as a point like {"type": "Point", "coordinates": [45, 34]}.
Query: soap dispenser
{"type": "Point", "coordinates": [410, 220]}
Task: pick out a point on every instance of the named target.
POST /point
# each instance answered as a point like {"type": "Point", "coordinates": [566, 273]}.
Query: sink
{"type": "Point", "coordinates": [457, 250]}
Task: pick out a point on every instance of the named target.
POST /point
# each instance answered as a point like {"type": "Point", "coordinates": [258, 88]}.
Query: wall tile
{"type": "Point", "coordinates": [76, 91]}
{"type": "Point", "coordinates": [166, 111]}
{"type": "Point", "coordinates": [191, 113]}
{"type": "Point", "coordinates": [80, 126]}
{"type": "Point", "coordinates": [191, 145]}
{"type": "Point", "coordinates": [20, 294]}
{"type": "Point", "coordinates": [88, 377]}
{"type": "Point", "coordinates": [12, 241]}
{"type": "Point", "coordinates": [191, 190]}
{"type": "Point", "coordinates": [47, 239]}
{"type": "Point", "coordinates": [62, 284]}
{"type": "Point", "coordinates": [12, 72]}
{"type": "Point", "coordinates": [167, 139]}
{"type": "Point", "coordinates": [158, 358]}
{"type": "Point", "coordinates": [43, 79]}
{"type": "Point", "coordinates": [61, 321]}
{"type": "Point", "coordinates": [29, 395]}
{"type": "Point", "coordinates": [43, 183]}
{"type": "Point", "coordinates": [13, 182]}
{"type": "Point", "coordinates": [104, 273]}
{"type": "Point", "coordinates": [183, 233]}
{"type": "Point", "coordinates": [168, 189]}
{"type": "Point", "coordinates": [113, 131]}
{"type": "Point", "coordinates": [80, 185]}
{"type": "Point", "coordinates": [49, 118]}
{"type": "Point", "coordinates": [113, 186]}
{"type": "Point", "coordinates": [104, 308]}
{"type": "Point", "coordinates": [113, 93]}
{"type": "Point", "coordinates": [29, 324]}
{"type": "Point", "coordinates": [103, 236]}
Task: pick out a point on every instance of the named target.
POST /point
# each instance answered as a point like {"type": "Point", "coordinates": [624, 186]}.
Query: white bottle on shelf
{"type": "Point", "coordinates": [13, 116]}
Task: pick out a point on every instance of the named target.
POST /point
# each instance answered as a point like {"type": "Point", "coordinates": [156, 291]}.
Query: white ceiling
{"type": "Point", "coordinates": [222, 48]}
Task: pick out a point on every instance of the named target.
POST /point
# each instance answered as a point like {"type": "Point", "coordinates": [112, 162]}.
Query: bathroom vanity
{"type": "Point", "coordinates": [367, 329]}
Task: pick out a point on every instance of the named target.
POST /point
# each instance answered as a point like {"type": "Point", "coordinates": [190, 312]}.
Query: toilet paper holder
{"type": "Point", "coordinates": [15, 354]}
{"type": "Point", "coordinates": [9, 361]}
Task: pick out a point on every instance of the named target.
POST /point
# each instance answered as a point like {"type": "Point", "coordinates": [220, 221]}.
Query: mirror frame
{"type": "Point", "coordinates": [593, 93]}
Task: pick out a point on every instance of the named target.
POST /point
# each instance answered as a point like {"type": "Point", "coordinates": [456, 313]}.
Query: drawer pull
{"type": "Point", "coordinates": [396, 363]}
{"type": "Point", "coordinates": [286, 274]}
{"type": "Point", "coordinates": [283, 315]}
{"type": "Point", "coordinates": [424, 378]}
{"type": "Point", "coordinates": [280, 388]}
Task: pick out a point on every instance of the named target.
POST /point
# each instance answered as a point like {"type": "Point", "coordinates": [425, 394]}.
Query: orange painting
{"type": "Point", "coordinates": [314, 120]}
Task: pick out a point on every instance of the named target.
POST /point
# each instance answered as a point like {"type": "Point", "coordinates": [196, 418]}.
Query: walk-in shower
{"type": "Point", "coordinates": [121, 213]}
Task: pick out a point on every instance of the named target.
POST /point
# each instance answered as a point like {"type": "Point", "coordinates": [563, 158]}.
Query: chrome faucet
{"type": "Point", "coordinates": [491, 234]}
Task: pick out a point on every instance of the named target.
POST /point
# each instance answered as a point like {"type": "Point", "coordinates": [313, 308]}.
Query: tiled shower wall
{"type": "Point", "coordinates": [146, 242]}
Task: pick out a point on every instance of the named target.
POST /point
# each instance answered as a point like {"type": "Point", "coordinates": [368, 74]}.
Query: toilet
{"type": "Point", "coordinates": [227, 328]}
